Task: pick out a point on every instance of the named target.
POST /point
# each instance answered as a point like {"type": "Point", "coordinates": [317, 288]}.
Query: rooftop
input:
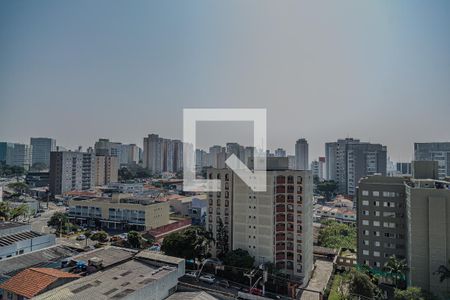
{"type": "Point", "coordinates": [14, 238]}
{"type": "Point", "coordinates": [109, 255]}
{"type": "Point", "coordinates": [156, 256]}
{"type": "Point", "coordinates": [35, 258]}
{"type": "Point", "coordinates": [31, 282]}
{"type": "Point", "coordinates": [191, 296]}
{"type": "Point", "coordinates": [8, 225]}
{"type": "Point", "coordinates": [114, 283]}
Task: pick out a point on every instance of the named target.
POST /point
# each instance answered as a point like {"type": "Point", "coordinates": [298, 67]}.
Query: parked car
{"type": "Point", "coordinates": [191, 274]}
{"type": "Point", "coordinates": [208, 278]}
{"type": "Point", "coordinates": [81, 237]}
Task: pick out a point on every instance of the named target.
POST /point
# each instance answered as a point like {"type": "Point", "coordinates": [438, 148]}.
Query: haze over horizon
{"type": "Point", "coordinates": [79, 71]}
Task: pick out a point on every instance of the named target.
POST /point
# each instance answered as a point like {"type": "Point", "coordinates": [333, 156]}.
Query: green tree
{"type": "Point", "coordinates": [337, 235]}
{"type": "Point", "coordinates": [125, 174]}
{"type": "Point", "coordinates": [39, 166]}
{"type": "Point", "coordinates": [8, 213]}
{"type": "Point", "coordinates": [18, 187]}
{"type": "Point", "coordinates": [239, 258]}
{"type": "Point", "coordinates": [100, 236]}
{"type": "Point", "coordinates": [327, 188]}
{"type": "Point", "coordinates": [222, 239]}
{"type": "Point", "coordinates": [360, 283]}
{"type": "Point", "coordinates": [192, 243]}
{"type": "Point", "coordinates": [411, 293]}
{"type": "Point", "coordinates": [396, 268]}
{"type": "Point", "coordinates": [135, 239]}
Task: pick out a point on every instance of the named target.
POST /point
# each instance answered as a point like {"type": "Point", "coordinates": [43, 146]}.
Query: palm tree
{"type": "Point", "coordinates": [396, 268]}
{"type": "Point", "coordinates": [444, 272]}
{"type": "Point", "coordinates": [12, 214]}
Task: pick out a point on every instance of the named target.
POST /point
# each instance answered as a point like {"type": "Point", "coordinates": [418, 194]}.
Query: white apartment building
{"type": "Point", "coordinates": [273, 226]}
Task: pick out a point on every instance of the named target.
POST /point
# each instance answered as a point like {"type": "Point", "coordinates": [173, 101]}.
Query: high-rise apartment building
{"type": "Point", "coordinates": [273, 226]}
{"type": "Point", "coordinates": [41, 148]}
{"type": "Point", "coordinates": [439, 152]}
{"type": "Point", "coordinates": [107, 169]}
{"type": "Point", "coordinates": [162, 155]}
{"type": "Point", "coordinates": [220, 209]}
{"type": "Point", "coordinates": [6, 152]}
{"type": "Point", "coordinates": [106, 147]}
{"type": "Point", "coordinates": [403, 168]}
{"type": "Point", "coordinates": [349, 160]}
{"type": "Point", "coordinates": [381, 217]}
{"type": "Point", "coordinates": [301, 154]}
{"type": "Point", "coordinates": [71, 171]}
{"type": "Point", "coordinates": [317, 168]}
{"type": "Point", "coordinates": [428, 234]}
{"type": "Point", "coordinates": [280, 152]}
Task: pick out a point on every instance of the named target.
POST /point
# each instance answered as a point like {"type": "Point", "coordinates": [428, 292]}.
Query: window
{"type": "Point", "coordinates": [366, 232]}
{"type": "Point", "coordinates": [377, 213]}
{"type": "Point", "coordinates": [365, 252]}
{"type": "Point", "coordinates": [366, 242]}
{"type": "Point", "coordinates": [376, 193]}
{"type": "Point", "coordinates": [365, 193]}
{"type": "Point", "coordinates": [376, 203]}
{"type": "Point", "coordinates": [365, 202]}
{"type": "Point", "coordinates": [376, 253]}
{"type": "Point", "coordinates": [377, 244]}
{"type": "Point", "coordinates": [365, 212]}
{"type": "Point", "coordinates": [365, 222]}
{"type": "Point", "coordinates": [376, 233]}
{"type": "Point", "coordinates": [376, 223]}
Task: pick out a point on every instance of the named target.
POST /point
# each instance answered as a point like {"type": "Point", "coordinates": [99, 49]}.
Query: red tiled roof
{"type": "Point", "coordinates": [32, 281]}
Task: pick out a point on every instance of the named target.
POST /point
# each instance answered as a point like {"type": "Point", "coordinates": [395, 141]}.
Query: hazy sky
{"type": "Point", "coordinates": [81, 70]}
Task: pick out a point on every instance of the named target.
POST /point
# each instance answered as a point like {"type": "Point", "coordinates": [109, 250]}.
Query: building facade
{"type": "Point", "coordinates": [301, 154]}
{"type": "Point", "coordinates": [273, 226]}
{"type": "Point", "coordinates": [107, 169]}
{"type": "Point", "coordinates": [381, 219]}
{"type": "Point", "coordinates": [41, 148]}
{"type": "Point", "coordinates": [162, 155]}
{"type": "Point", "coordinates": [71, 171]}
{"type": "Point", "coordinates": [428, 234]}
{"type": "Point", "coordinates": [349, 160]}
{"type": "Point", "coordinates": [120, 212]}
{"type": "Point", "coordinates": [439, 152]}
{"type": "Point", "coordinates": [220, 208]}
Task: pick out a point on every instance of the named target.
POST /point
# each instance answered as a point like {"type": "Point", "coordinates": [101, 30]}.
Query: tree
{"type": "Point", "coordinates": [134, 239]}
{"type": "Point", "coordinates": [411, 293]}
{"type": "Point", "coordinates": [60, 221]}
{"type": "Point", "coordinates": [191, 243]}
{"type": "Point", "coordinates": [39, 166]}
{"type": "Point", "coordinates": [396, 268]}
{"type": "Point", "coordinates": [360, 283]}
{"type": "Point", "coordinates": [239, 258]}
{"type": "Point", "coordinates": [125, 174]}
{"type": "Point", "coordinates": [221, 239]}
{"type": "Point", "coordinates": [444, 272]}
{"type": "Point", "coordinates": [337, 235]}
{"type": "Point", "coordinates": [8, 213]}
{"type": "Point", "coordinates": [100, 236]}
{"type": "Point", "coordinates": [18, 187]}
{"type": "Point", "coordinates": [327, 188]}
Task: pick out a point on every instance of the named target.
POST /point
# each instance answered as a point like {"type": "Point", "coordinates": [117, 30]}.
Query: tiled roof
{"type": "Point", "coordinates": [31, 282]}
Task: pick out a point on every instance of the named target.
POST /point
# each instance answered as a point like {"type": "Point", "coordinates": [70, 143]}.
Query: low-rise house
{"type": "Point", "coordinates": [346, 259]}
{"type": "Point", "coordinates": [34, 281]}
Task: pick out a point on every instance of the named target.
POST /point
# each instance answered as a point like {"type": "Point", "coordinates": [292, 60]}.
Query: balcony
{"type": "Point", "coordinates": [280, 227]}
{"type": "Point", "coordinates": [280, 255]}
{"type": "Point", "coordinates": [280, 199]}
{"type": "Point", "coordinates": [280, 247]}
{"type": "Point", "coordinates": [280, 208]}
{"type": "Point", "coordinates": [281, 180]}
{"type": "Point", "coordinates": [280, 237]}
{"type": "Point", "coordinates": [280, 218]}
{"type": "Point", "coordinates": [281, 189]}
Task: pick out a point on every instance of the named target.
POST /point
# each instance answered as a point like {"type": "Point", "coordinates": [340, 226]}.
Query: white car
{"type": "Point", "coordinates": [207, 278]}
{"type": "Point", "coordinates": [191, 274]}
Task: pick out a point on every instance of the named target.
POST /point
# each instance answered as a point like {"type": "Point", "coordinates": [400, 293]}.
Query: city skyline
{"type": "Point", "coordinates": [369, 74]}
